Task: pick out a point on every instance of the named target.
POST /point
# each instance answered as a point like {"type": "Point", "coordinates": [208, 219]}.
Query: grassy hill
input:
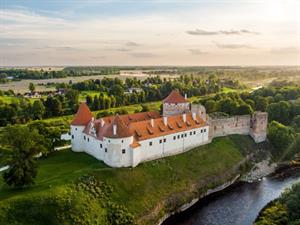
{"type": "Point", "coordinates": [74, 188]}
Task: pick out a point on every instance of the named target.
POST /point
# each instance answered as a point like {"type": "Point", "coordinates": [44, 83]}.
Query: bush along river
{"type": "Point", "coordinates": [238, 204]}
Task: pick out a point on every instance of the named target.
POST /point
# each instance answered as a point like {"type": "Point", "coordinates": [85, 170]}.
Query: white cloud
{"type": "Point", "coordinates": [151, 38]}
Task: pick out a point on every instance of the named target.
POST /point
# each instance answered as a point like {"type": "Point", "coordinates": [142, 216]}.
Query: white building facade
{"type": "Point", "coordinates": [127, 140]}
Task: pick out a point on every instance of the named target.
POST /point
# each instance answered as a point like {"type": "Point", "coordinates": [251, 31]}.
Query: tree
{"type": "Point", "coordinates": [228, 106]}
{"type": "Point", "coordinates": [145, 108]}
{"type": "Point", "coordinates": [261, 104]}
{"type": "Point", "coordinates": [89, 100]}
{"type": "Point", "coordinates": [280, 136]}
{"type": "Point", "coordinates": [31, 87]}
{"type": "Point", "coordinates": [279, 111]}
{"type": "Point", "coordinates": [117, 90]}
{"type": "Point", "coordinates": [38, 109]}
{"type": "Point", "coordinates": [244, 109]}
{"type": "Point", "coordinates": [24, 145]}
{"type": "Point", "coordinates": [73, 99]}
{"type": "Point", "coordinates": [210, 106]}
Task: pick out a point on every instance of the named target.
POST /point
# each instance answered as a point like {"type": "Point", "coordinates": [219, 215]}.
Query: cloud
{"type": "Point", "coordinates": [142, 54]}
{"type": "Point", "coordinates": [122, 49]}
{"type": "Point", "coordinates": [196, 52]}
{"type": "Point", "coordinates": [233, 46]}
{"type": "Point", "coordinates": [285, 50]}
{"type": "Point", "coordinates": [201, 32]}
{"type": "Point", "coordinates": [132, 44]}
{"type": "Point", "coordinates": [224, 32]}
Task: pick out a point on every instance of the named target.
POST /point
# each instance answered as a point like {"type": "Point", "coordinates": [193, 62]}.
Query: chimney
{"type": "Point", "coordinates": [184, 117]}
{"type": "Point", "coordinates": [152, 122]}
{"type": "Point", "coordinates": [165, 120]}
{"type": "Point", "coordinates": [102, 122]}
{"type": "Point", "coordinates": [194, 115]}
{"type": "Point", "coordinates": [114, 129]}
{"type": "Point", "coordinates": [185, 96]}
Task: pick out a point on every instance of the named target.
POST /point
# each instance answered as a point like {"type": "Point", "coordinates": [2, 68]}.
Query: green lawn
{"type": "Point", "coordinates": [145, 187]}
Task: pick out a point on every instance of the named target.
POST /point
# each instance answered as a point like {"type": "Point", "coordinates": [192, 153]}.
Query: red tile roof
{"type": "Point", "coordinates": [122, 130]}
{"type": "Point", "coordinates": [83, 115]}
{"type": "Point", "coordinates": [129, 118]}
{"type": "Point", "coordinates": [175, 97]}
{"type": "Point", "coordinates": [143, 130]}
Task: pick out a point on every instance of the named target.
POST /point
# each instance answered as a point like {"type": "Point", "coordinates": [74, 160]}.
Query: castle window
{"type": "Point", "coordinates": [108, 141]}
{"type": "Point", "coordinates": [182, 135]}
{"type": "Point", "coordinates": [160, 141]}
{"type": "Point", "coordinates": [191, 133]}
{"type": "Point", "coordinates": [174, 137]}
{"type": "Point", "coordinates": [72, 136]}
{"type": "Point", "coordinates": [204, 130]}
{"type": "Point", "coordinates": [105, 149]}
{"type": "Point", "coordinates": [178, 136]}
{"type": "Point", "coordinates": [123, 151]}
{"type": "Point", "coordinates": [150, 143]}
{"type": "Point", "coordinates": [84, 137]}
{"type": "Point", "coordinates": [100, 145]}
{"type": "Point", "coordinates": [165, 139]}
{"type": "Point", "coordinates": [194, 132]}
{"type": "Point", "coordinates": [201, 131]}
{"type": "Point", "coordinates": [185, 134]}
{"type": "Point", "coordinates": [75, 128]}
{"type": "Point", "coordinates": [122, 141]}
{"type": "Point", "coordinates": [88, 140]}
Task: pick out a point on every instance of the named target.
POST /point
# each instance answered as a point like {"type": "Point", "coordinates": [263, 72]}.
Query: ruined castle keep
{"type": "Point", "coordinates": [127, 140]}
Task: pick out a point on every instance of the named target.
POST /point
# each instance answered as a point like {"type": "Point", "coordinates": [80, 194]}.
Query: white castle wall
{"type": "Point", "coordinates": [167, 145]}
{"type": "Point", "coordinates": [77, 138]}
{"type": "Point", "coordinates": [119, 153]}
{"type": "Point", "coordinates": [112, 149]}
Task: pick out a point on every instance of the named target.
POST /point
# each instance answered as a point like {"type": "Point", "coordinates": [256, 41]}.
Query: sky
{"type": "Point", "coordinates": [153, 32]}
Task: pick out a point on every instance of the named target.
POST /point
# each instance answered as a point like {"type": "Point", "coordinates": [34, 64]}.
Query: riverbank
{"type": "Point", "coordinates": [283, 210]}
{"type": "Point", "coordinates": [148, 192]}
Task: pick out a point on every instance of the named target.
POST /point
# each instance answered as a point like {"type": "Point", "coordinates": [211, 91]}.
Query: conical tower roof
{"type": "Point", "coordinates": [122, 130]}
{"type": "Point", "coordinates": [83, 115]}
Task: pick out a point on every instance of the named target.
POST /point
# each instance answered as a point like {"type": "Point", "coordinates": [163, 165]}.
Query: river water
{"type": "Point", "coordinates": [237, 205]}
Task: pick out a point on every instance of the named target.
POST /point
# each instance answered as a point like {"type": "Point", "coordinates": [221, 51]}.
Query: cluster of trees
{"type": "Point", "coordinates": [282, 104]}
{"type": "Point", "coordinates": [22, 145]}
{"type": "Point", "coordinates": [154, 88]}
{"type": "Point", "coordinates": [285, 210]}
{"type": "Point", "coordinates": [22, 111]}
{"type": "Point", "coordinates": [3, 78]}
{"type": "Point", "coordinates": [19, 74]}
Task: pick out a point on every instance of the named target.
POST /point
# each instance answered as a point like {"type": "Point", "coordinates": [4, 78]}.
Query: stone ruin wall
{"type": "Point", "coordinates": [225, 126]}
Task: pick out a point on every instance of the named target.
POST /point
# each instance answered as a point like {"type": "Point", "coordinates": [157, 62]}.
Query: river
{"type": "Point", "coordinates": [237, 205]}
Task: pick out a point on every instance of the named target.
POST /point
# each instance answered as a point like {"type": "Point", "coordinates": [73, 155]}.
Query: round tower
{"type": "Point", "coordinates": [118, 138]}
{"type": "Point", "coordinates": [81, 119]}
{"type": "Point", "coordinates": [175, 104]}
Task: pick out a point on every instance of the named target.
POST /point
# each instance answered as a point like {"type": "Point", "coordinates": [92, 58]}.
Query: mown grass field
{"type": "Point", "coordinates": [143, 188]}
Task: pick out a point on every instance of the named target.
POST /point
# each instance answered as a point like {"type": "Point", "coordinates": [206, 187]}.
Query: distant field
{"type": "Point", "coordinates": [22, 86]}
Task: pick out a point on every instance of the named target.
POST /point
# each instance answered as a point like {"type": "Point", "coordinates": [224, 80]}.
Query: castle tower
{"type": "Point", "coordinates": [118, 139]}
{"type": "Point", "coordinates": [82, 118]}
{"type": "Point", "coordinates": [199, 110]}
{"type": "Point", "coordinates": [258, 129]}
{"type": "Point", "coordinates": [175, 104]}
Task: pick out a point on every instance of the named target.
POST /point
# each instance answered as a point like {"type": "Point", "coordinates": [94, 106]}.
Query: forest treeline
{"type": "Point", "coordinates": [113, 92]}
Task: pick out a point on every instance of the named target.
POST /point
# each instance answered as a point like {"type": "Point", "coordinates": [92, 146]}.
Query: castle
{"type": "Point", "coordinates": [127, 140]}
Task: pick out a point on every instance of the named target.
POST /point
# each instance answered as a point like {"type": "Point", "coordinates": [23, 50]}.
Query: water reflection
{"type": "Point", "coordinates": [237, 206]}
